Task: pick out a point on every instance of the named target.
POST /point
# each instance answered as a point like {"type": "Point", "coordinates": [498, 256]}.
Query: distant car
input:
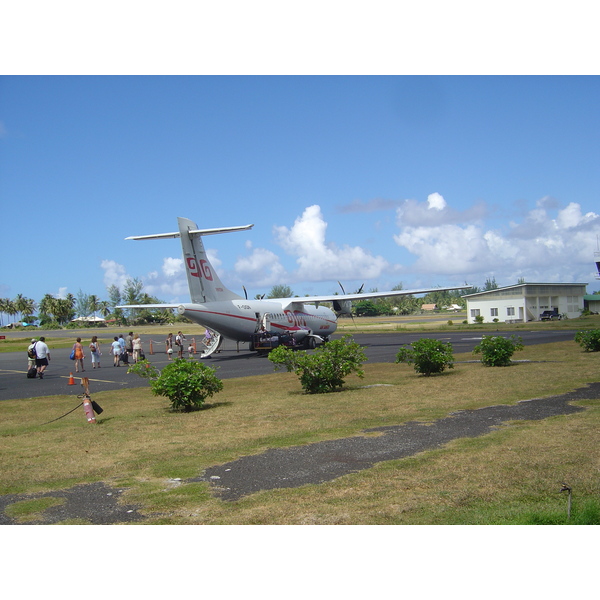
{"type": "Point", "coordinates": [550, 315]}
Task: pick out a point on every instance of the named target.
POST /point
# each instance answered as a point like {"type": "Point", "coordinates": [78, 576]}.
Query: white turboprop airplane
{"type": "Point", "coordinates": [229, 315]}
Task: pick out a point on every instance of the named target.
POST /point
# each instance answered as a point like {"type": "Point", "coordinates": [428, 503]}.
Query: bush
{"type": "Point", "coordinates": [428, 355]}
{"type": "Point", "coordinates": [323, 370]}
{"type": "Point", "coordinates": [496, 351]}
{"type": "Point", "coordinates": [186, 383]}
{"type": "Point", "coordinates": [589, 340]}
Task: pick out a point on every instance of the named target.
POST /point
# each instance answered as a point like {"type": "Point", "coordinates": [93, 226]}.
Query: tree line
{"type": "Point", "coordinates": [52, 312]}
{"type": "Point", "coordinates": [59, 312]}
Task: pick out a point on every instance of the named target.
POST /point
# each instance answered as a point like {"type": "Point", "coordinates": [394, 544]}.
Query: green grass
{"type": "Point", "coordinates": [30, 510]}
{"type": "Point", "coordinates": [512, 475]}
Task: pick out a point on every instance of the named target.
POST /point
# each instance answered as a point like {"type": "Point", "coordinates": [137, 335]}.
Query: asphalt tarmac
{"type": "Point", "coordinates": [379, 347]}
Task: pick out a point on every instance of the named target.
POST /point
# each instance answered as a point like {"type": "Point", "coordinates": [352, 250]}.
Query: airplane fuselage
{"type": "Point", "coordinates": [239, 319]}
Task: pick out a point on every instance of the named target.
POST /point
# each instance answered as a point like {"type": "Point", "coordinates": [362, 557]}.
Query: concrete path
{"type": "Point", "coordinates": [324, 461]}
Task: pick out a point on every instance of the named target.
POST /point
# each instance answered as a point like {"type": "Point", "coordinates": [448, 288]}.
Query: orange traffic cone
{"type": "Point", "coordinates": [71, 380]}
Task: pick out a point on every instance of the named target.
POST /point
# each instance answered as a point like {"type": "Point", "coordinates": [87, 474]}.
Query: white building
{"type": "Point", "coordinates": [526, 301]}
{"type": "Point", "coordinates": [592, 303]}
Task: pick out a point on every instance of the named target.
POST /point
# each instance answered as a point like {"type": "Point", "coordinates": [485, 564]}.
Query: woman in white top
{"type": "Point", "coordinates": [95, 352]}
{"type": "Point", "coordinates": [137, 348]}
{"type": "Point", "coordinates": [115, 349]}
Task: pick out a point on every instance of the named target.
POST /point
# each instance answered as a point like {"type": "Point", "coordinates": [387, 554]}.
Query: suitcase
{"type": "Point", "coordinates": [32, 373]}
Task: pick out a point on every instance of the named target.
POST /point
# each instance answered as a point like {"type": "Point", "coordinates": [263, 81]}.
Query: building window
{"type": "Point", "coordinates": [510, 311]}
{"type": "Point", "coordinates": [494, 312]}
{"type": "Point", "coordinates": [474, 312]}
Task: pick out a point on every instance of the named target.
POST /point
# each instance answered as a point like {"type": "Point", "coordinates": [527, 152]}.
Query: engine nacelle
{"type": "Point", "coordinates": [342, 307]}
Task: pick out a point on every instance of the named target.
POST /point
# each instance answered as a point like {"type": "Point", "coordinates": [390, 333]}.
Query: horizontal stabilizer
{"type": "Point", "coordinates": [176, 234]}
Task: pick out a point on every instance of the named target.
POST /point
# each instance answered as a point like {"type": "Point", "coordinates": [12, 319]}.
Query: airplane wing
{"type": "Point", "coordinates": [367, 295]}
{"type": "Point", "coordinates": [150, 305]}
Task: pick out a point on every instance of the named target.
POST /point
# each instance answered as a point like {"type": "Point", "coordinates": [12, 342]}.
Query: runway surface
{"type": "Point", "coordinates": [379, 347]}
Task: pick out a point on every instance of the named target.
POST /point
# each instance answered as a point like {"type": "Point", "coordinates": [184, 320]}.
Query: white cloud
{"type": "Point", "coordinates": [445, 249]}
{"type": "Point", "coordinates": [173, 267]}
{"type": "Point", "coordinates": [114, 273]}
{"type": "Point", "coordinates": [320, 261]}
{"type": "Point", "coordinates": [571, 217]}
{"type": "Point", "coordinates": [170, 283]}
{"type": "Point", "coordinates": [550, 243]}
{"type": "Point", "coordinates": [260, 268]}
{"type": "Point", "coordinates": [436, 201]}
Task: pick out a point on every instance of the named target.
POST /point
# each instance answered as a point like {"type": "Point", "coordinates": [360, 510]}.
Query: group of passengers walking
{"type": "Point", "coordinates": [122, 348]}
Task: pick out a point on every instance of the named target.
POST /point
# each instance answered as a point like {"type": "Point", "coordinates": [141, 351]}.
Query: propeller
{"type": "Point", "coordinates": [350, 312]}
{"type": "Point", "coordinates": [245, 292]}
{"type": "Point", "coordinates": [360, 289]}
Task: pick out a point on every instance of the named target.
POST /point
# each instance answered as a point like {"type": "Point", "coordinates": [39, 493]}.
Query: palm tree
{"type": "Point", "coordinates": [20, 303]}
{"type": "Point", "coordinates": [104, 308]}
{"type": "Point", "coordinates": [93, 303]}
{"type": "Point", "coordinates": [47, 307]}
{"type": "Point", "coordinates": [64, 311]}
{"type": "Point", "coordinates": [10, 308]}
{"type": "Point", "coordinates": [29, 307]}
{"type": "Point", "coordinates": [3, 308]}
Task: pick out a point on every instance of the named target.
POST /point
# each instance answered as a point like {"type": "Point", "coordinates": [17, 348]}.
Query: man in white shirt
{"type": "Point", "coordinates": [42, 356]}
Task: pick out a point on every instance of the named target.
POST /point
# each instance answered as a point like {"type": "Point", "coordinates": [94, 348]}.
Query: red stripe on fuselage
{"type": "Point", "coordinates": [328, 322]}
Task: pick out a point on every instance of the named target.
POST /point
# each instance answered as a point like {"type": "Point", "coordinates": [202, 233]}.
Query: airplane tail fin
{"type": "Point", "coordinates": [203, 281]}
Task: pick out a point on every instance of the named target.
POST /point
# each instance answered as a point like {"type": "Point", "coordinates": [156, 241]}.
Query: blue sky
{"type": "Point", "coordinates": [426, 180]}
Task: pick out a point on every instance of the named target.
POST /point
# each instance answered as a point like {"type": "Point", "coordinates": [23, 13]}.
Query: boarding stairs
{"type": "Point", "coordinates": [206, 349]}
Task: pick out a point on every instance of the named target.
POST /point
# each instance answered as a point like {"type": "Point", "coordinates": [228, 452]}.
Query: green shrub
{"type": "Point", "coordinates": [589, 340]}
{"type": "Point", "coordinates": [50, 325]}
{"type": "Point", "coordinates": [186, 383]}
{"type": "Point", "coordinates": [479, 319]}
{"type": "Point", "coordinates": [323, 370]}
{"type": "Point", "coordinates": [496, 351]}
{"type": "Point", "coordinates": [428, 355]}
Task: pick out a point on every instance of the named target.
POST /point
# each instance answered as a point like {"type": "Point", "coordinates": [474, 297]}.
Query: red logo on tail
{"type": "Point", "coordinates": [199, 270]}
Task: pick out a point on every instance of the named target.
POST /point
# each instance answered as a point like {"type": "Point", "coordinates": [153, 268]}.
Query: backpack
{"type": "Point", "coordinates": [32, 373]}
{"type": "Point", "coordinates": [31, 353]}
